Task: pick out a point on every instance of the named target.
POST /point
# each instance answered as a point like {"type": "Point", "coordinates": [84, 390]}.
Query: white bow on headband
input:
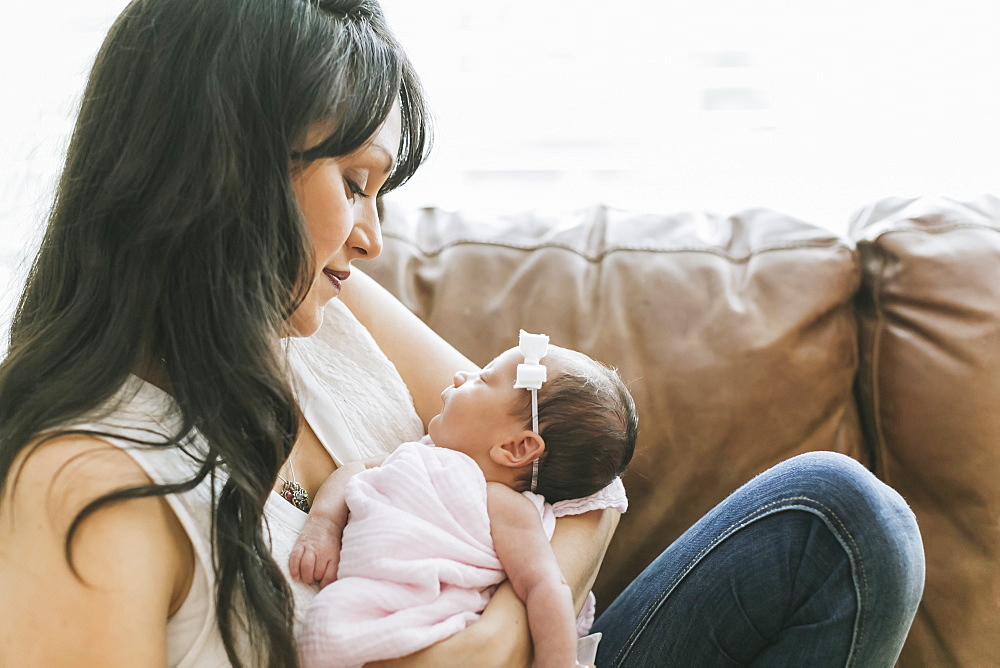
{"type": "Point", "coordinates": [530, 376]}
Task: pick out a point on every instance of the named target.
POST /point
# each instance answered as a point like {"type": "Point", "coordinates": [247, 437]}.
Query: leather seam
{"type": "Point", "coordinates": [592, 257]}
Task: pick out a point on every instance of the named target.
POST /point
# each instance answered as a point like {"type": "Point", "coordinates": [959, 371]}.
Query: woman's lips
{"type": "Point", "coordinates": [337, 277]}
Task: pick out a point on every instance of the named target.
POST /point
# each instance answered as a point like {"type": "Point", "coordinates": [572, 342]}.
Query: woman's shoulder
{"type": "Point", "coordinates": [124, 562]}
{"type": "Point", "coordinates": [138, 438]}
{"type": "Point", "coordinates": [57, 478]}
{"type": "Point", "coordinates": [69, 488]}
{"type": "Point", "coordinates": [63, 473]}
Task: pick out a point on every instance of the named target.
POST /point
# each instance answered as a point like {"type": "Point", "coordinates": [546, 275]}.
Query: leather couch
{"type": "Point", "coordinates": [748, 339]}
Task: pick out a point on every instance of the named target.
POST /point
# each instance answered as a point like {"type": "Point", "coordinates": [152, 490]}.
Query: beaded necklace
{"type": "Point", "coordinates": [292, 491]}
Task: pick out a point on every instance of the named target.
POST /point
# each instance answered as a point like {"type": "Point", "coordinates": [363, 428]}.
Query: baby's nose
{"type": "Point", "coordinates": [460, 378]}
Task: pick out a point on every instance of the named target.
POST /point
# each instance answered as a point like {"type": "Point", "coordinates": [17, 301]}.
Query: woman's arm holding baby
{"type": "Point", "coordinates": [531, 568]}
{"type": "Point", "coordinates": [580, 543]}
{"type": "Point", "coordinates": [426, 362]}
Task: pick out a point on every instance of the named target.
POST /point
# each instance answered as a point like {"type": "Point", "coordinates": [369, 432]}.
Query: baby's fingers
{"type": "Point", "coordinates": [329, 574]}
{"type": "Point", "coordinates": [294, 561]}
{"type": "Point", "coordinates": [307, 566]}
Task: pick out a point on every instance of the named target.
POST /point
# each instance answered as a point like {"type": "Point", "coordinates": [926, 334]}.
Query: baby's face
{"type": "Point", "coordinates": [477, 411]}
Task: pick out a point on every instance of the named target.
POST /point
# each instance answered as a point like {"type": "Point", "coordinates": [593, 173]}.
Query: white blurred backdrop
{"type": "Point", "coordinates": [814, 108]}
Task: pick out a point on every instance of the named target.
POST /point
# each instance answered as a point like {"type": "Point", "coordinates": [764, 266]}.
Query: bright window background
{"type": "Point", "coordinates": [813, 108]}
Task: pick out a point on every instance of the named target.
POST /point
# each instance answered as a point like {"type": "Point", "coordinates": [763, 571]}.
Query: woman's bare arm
{"type": "Point", "coordinates": [426, 362]}
{"type": "Point", "coordinates": [134, 562]}
{"type": "Point", "coordinates": [580, 543]}
{"type": "Point", "coordinates": [533, 572]}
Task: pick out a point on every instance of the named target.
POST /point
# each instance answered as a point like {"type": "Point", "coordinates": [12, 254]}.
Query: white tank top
{"type": "Point", "coordinates": [353, 398]}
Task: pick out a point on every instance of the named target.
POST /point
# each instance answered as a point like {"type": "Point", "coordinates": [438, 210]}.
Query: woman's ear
{"type": "Point", "coordinates": [525, 448]}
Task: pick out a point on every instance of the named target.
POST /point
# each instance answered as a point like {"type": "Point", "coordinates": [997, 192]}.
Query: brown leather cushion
{"type": "Point", "coordinates": [736, 336]}
{"type": "Point", "coordinates": [929, 390]}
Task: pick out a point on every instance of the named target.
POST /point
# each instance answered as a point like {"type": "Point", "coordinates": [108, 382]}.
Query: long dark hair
{"type": "Point", "coordinates": [175, 237]}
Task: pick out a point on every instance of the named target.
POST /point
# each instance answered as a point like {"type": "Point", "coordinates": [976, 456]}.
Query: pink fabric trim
{"type": "Point", "coordinates": [612, 496]}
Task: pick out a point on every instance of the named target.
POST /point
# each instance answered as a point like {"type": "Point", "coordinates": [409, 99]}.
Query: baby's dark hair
{"type": "Point", "coordinates": [588, 421]}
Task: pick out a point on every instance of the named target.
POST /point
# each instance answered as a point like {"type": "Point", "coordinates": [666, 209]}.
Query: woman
{"type": "Point", "coordinates": [179, 357]}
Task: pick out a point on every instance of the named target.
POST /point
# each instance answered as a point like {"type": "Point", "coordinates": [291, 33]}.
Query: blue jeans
{"type": "Point", "coordinates": [815, 562]}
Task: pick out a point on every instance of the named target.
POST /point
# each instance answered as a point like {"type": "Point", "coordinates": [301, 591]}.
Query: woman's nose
{"type": "Point", "coordinates": [366, 237]}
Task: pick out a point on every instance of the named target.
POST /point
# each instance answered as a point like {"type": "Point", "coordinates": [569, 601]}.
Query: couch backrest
{"type": "Point", "coordinates": [929, 391]}
{"type": "Point", "coordinates": [736, 336]}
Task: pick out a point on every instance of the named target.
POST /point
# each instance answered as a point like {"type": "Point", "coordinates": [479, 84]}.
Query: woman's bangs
{"type": "Point", "coordinates": [416, 132]}
{"type": "Point", "coordinates": [378, 74]}
{"type": "Point", "coordinates": [361, 87]}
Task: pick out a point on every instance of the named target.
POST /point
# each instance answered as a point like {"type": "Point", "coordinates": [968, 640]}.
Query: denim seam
{"type": "Point", "coordinates": [765, 511]}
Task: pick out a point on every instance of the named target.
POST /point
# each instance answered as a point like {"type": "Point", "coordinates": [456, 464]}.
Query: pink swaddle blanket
{"type": "Point", "coordinates": [417, 562]}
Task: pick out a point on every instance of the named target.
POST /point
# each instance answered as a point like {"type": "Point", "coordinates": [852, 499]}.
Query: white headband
{"type": "Point", "coordinates": [530, 376]}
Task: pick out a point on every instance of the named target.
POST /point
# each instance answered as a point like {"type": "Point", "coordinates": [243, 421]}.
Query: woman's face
{"type": "Point", "coordinates": [337, 198]}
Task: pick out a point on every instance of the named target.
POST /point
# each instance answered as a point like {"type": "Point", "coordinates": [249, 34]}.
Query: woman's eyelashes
{"type": "Point", "coordinates": [354, 190]}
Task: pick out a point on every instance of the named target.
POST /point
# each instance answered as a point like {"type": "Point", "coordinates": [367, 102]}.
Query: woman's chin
{"type": "Point", "coordinates": [305, 321]}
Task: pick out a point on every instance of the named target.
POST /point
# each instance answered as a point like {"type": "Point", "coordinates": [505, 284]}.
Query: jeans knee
{"type": "Point", "coordinates": [872, 519]}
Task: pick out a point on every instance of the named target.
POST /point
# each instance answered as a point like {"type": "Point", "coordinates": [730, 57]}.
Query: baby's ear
{"type": "Point", "coordinates": [525, 448]}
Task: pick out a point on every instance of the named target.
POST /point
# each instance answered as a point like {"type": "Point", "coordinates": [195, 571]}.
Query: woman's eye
{"type": "Point", "coordinates": [355, 190]}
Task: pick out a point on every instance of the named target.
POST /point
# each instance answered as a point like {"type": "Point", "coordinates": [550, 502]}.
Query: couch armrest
{"type": "Point", "coordinates": [929, 394]}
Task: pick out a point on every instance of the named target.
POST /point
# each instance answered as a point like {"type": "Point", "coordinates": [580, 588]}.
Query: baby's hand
{"type": "Point", "coordinates": [316, 554]}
